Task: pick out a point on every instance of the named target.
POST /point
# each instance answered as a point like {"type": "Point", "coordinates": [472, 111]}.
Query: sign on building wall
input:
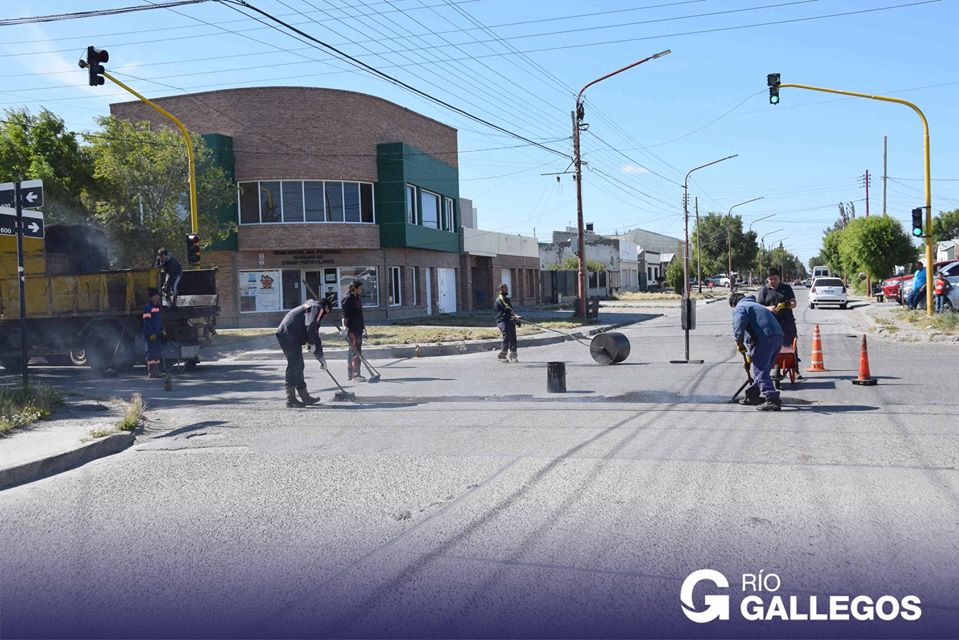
{"type": "Point", "coordinates": [260, 291]}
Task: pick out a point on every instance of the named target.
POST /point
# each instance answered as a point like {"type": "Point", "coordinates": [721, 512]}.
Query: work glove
{"type": "Point", "coordinates": [322, 362]}
{"type": "Point", "coordinates": [152, 337]}
{"type": "Point", "coordinates": [740, 347]}
{"type": "Point", "coordinates": [747, 363]}
{"type": "Point", "coordinates": [782, 306]}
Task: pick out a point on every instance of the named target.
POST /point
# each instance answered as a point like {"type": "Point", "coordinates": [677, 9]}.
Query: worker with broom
{"type": "Point", "coordinates": [301, 327]}
{"type": "Point", "coordinates": [355, 328]}
{"type": "Point", "coordinates": [757, 325]}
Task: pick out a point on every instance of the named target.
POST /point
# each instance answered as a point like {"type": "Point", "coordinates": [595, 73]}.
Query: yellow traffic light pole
{"type": "Point", "coordinates": [928, 177]}
{"type": "Point", "coordinates": [194, 221]}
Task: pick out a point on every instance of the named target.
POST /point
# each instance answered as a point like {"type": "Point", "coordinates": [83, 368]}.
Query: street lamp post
{"type": "Point", "coordinates": [578, 115]}
{"type": "Point", "coordinates": [729, 238]}
{"type": "Point", "coordinates": [687, 307]}
{"type": "Point", "coordinates": [762, 249]}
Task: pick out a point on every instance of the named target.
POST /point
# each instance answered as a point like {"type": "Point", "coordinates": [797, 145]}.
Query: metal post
{"type": "Point", "coordinates": [884, 174]}
{"type": "Point", "coordinates": [580, 227]}
{"type": "Point", "coordinates": [22, 279]}
{"type": "Point", "coordinates": [699, 250]}
{"type": "Point", "coordinates": [729, 237]}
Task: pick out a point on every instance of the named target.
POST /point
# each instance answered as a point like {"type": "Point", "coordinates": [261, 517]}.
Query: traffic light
{"type": "Point", "coordinates": [772, 80]}
{"type": "Point", "coordinates": [93, 63]}
{"type": "Point", "coordinates": [917, 224]}
{"type": "Point", "coordinates": [192, 248]}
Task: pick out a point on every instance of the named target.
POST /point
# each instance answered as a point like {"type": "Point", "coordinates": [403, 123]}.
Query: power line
{"type": "Point", "coordinates": [4, 22]}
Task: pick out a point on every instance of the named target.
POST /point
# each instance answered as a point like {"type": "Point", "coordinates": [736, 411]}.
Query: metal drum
{"type": "Point", "coordinates": [556, 377]}
{"type": "Point", "coordinates": [609, 348]}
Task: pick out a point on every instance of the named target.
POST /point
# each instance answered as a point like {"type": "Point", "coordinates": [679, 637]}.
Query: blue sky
{"type": "Point", "coordinates": [518, 64]}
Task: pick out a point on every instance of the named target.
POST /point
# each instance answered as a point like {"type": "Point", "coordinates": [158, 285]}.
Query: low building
{"type": "Point", "coordinates": [490, 258]}
{"type": "Point", "coordinates": [332, 186]}
{"type": "Point", "coordinates": [619, 257]}
{"type": "Point", "coordinates": [947, 250]}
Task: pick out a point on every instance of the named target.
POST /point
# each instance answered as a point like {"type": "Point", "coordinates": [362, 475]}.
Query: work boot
{"type": "Point", "coordinates": [153, 370]}
{"type": "Point", "coordinates": [305, 396]}
{"type": "Point", "coordinates": [358, 379]}
{"type": "Point", "coordinates": [752, 400]}
{"type": "Point", "coordinates": [771, 404]}
{"type": "Point", "coordinates": [513, 358]}
{"type": "Point", "coordinates": [502, 357]}
{"type": "Point", "coordinates": [291, 400]}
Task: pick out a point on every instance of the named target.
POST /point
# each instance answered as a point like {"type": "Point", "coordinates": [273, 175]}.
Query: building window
{"type": "Point", "coordinates": [430, 214]}
{"type": "Point", "coordinates": [415, 286]}
{"type": "Point", "coordinates": [371, 291]}
{"type": "Point", "coordinates": [270, 202]}
{"type": "Point", "coordinates": [351, 201]}
{"type": "Point", "coordinates": [411, 217]}
{"type": "Point", "coordinates": [315, 207]}
{"type": "Point", "coordinates": [334, 201]}
{"type": "Point", "coordinates": [249, 201]}
{"type": "Point", "coordinates": [366, 203]}
{"type": "Point", "coordinates": [292, 201]}
{"type": "Point", "coordinates": [396, 286]}
{"type": "Point", "coordinates": [449, 215]}
{"type": "Point", "coordinates": [297, 201]}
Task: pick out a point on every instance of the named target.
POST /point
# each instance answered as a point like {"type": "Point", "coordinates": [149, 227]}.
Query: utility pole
{"type": "Point", "coordinates": [884, 174]}
{"type": "Point", "coordinates": [866, 184]}
{"type": "Point", "coordinates": [578, 114]}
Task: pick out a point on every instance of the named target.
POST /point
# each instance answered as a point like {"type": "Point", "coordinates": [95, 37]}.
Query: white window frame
{"type": "Point", "coordinates": [412, 204]}
{"type": "Point", "coordinates": [449, 214]}
{"type": "Point", "coordinates": [414, 289]}
{"type": "Point", "coordinates": [439, 208]}
{"type": "Point", "coordinates": [397, 300]}
{"type": "Point", "coordinates": [326, 213]}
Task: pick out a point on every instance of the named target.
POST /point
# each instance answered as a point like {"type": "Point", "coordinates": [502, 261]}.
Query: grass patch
{"type": "Point", "coordinates": [133, 416]}
{"type": "Point", "coordinates": [947, 322]}
{"type": "Point", "coordinates": [887, 325]}
{"type": "Point", "coordinates": [22, 406]}
{"type": "Point", "coordinates": [639, 296]}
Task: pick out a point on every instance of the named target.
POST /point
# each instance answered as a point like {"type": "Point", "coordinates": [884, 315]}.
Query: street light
{"type": "Point", "coordinates": [687, 307]}
{"type": "Point", "coordinates": [729, 238]}
{"type": "Point", "coordinates": [760, 255]}
{"type": "Point", "coordinates": [578, 115]}
{"type": "Point", "coordinates": [762, 249]}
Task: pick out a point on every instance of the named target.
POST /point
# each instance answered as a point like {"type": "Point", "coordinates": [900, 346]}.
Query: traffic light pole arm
{"type": "Point", "coordinates": [194, 221]}
{"type": "Point", "coordinates": [928, 172]}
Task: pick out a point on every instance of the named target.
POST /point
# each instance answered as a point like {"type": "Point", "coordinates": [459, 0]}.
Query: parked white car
{"type": "Point", "coordinates": [827, 291]}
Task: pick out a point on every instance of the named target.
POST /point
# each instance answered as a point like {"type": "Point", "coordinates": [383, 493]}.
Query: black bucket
{"type": "Point", "coordinates": [556, 377]}
{"type": "Point", "coordinates": [609, 348]}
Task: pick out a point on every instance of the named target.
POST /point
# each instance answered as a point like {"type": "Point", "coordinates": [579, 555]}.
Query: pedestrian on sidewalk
{"type": "Point", "coordinates": [301, 327]}
{"type": "Point", "coordinates": [153, 332]}
{"type": "Point", "coordinates": [778, 297]}
{"type": "Point", "coordinates": [942, 287]}
{"type": "Point", "coordinates": [506, 321]}
{"type": "Point", "coordinates": [756, 326]}
{"type": "Point", "coordinates": [918, 285]}
{"type": "Point", "coordinates": [171, 272]}
{"type": "Point", "coordinates": [355, 329]}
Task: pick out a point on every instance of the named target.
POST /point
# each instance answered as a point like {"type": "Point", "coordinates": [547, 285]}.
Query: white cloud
{"type": "Point", "coordinates": [632, 168]}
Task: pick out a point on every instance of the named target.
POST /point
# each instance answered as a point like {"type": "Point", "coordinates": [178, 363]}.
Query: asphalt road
{"type": "Point", "coordinates": [458, 499]}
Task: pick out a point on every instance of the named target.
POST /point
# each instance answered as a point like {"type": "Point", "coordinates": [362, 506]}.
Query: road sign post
{"type": "Point", "coordinates": [23, 285]}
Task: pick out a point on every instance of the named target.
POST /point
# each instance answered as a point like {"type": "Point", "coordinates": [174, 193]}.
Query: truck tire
{"type": "Point", "coordinates": [108, 346]}
{"type": "Point", "coordinates": [78, 358]}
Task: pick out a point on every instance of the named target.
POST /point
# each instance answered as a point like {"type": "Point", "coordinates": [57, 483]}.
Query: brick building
{"type": "Point", "coordinates": [331, 186]}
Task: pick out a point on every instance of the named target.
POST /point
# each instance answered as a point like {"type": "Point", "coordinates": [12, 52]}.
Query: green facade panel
{"type": "Point", "coordinates": [222, 148]}
{"type": "Point", "coordinates": [399, 164]}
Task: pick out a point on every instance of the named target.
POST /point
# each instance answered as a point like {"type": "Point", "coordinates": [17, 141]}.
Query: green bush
{"type": "Point", "coordinates": [21, 406]}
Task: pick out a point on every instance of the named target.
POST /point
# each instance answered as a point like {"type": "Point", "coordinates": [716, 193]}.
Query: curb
{"type": "Point", "coordinates": [450, 349]}
{"type": "Point", "coordinates": [58, 463]}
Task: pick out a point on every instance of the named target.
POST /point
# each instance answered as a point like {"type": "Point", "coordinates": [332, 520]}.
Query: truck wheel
{"type": "Point", "coordinates": [78, 358]}
{"type": "Point", "coordinates": [108, 346]}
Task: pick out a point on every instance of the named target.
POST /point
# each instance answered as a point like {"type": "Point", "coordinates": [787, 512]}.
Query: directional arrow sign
{"type": "Point", "coordinates": [31, 194]}
{"type": "Point", "coordinates": [32, 223]}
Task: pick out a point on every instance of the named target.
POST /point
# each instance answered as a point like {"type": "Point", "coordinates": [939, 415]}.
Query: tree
{"type": "Point", "coordinates": [39, 147]}
{"type": "Point", "coordinates": [874, 246]}
{"type": "Point", "coordinates": [830, 251]}
{"type": "Point", "coordinates": [674, 275]}
{"type": "Point", "coordinates": [572, 264]}
{"type": "Point", "coordinates": [790, 266]}
{"type": "Point", "coordinates": [712, 238]}
{"type": "Point", "coordinates": [945, 226]}
{"type": "Point", "coordinates": [144, 200]}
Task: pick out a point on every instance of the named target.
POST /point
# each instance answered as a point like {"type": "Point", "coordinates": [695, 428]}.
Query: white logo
{"type": "Point", "coordinates": [717, 606]}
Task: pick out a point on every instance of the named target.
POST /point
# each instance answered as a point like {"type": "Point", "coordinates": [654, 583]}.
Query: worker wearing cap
{"type": "Point", "coordinates": [153, 332]}
{"type": "Point", "coordinates": [301, 327]}
{"type": "Point", "coordinates": [755, 325]}
{"type": "Point", "coordinates": [355, 328]}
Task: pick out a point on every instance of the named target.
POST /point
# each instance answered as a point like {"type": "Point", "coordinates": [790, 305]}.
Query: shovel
{"type": "Point", "coordinates": [749, 378]}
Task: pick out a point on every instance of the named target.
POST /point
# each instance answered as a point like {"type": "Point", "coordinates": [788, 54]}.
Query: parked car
{"type": "Point", "coordinates": [797, 283]}
{"type": "Point", "coordinates": [718, 280]}
{"type": "Point", "coordinates": [827, 290]}
{"type": "Point", "coordinates": [807, 282]}
{"type": "Point", "coordinates": [891, 286]}
{"type": "Point", "coordinates": [949, 268]}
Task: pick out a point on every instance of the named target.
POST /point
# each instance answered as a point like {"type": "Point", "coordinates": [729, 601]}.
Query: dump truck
{"type": "Point", "coordinates": [80, 311]}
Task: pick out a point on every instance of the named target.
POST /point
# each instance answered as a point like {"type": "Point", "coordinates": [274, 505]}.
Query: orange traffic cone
{"type": "Point", "coordinates": [817, 363]}
{"type": "Point", "coordinates": [864, 378]}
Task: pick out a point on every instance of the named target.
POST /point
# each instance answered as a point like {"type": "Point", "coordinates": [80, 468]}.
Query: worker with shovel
{"type": "Point", "coordinates": [757, 325]}
{"type": "Point", "coordinates": [301, 327]}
